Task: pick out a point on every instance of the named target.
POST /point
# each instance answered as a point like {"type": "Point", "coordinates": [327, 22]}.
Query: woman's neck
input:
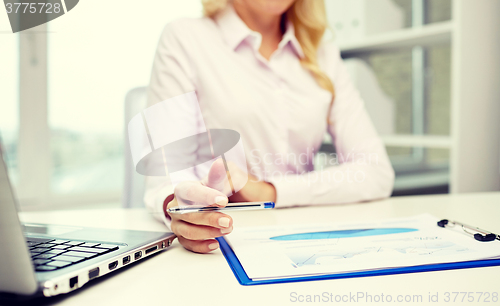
{"type": "Point", "coordinates": [269, 26]}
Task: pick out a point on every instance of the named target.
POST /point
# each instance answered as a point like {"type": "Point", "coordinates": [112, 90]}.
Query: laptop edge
{"type": "Point", "coordinates": [17, 273]}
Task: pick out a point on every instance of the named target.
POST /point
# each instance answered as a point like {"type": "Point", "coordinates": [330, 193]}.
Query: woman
{"type": "Point", "coordinates": [259, 67]}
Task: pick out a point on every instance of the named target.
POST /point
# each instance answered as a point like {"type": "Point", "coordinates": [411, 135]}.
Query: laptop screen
{"type": "Point", "coordinates": [16, 270]}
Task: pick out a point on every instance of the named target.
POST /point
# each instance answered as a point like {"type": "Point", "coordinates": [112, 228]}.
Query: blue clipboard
{"type": "Point", "coordinates": [243, 278]}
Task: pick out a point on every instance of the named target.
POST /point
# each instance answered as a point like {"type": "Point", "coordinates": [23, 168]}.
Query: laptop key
{"type": "Point", "coordinates": [44, 256]}
{"type": "Point", "coordinates": [45, 245]}
{"type": "Point", "coordinates": [40, 240]}
{"type": "Point", "coordinates": [40, 250]}
{"type": "Point", "coordinates": [33, 254]}
{"type": "Point", "coordinates": [75, 242]}
{"type": "Point", "coordinates": [61, 246]}
{"type": "Point", "coordinates": [55, 251]}
{"type": "Point", "coordinates": [40, 261]}
{"type": "Point", "coordinates": [91, 250]}
{"type": "Point", "coordinates": [110, 247]}
{"type": "Point", "coordinates": [69, 258]}
{"type": "Point", "coordinates": [58, 264]}
{"type": "Point", "coordinates": [88, 245]}
{"type": "Point", "coordinates": [44, 268]}
{"type": "Point", "coordinates": [57, 241]}
{"type": "Point", "coordinates": [32, 243]}
{"type": "Point", "coordinates": [80, 254]}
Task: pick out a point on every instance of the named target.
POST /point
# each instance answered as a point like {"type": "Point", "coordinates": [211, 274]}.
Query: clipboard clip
{"type": "Point", "coordinates": [476, 232]}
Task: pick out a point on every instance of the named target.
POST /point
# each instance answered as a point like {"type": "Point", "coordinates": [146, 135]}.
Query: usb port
{"type": "Point", "coordinates": [93, 273]}
{"type": "Point", "coordinates": [138, 255]}
{"type": "Point", "coordinates": [113, 265]}
{"type": "Point", "coordinates": [73, 282]}
{"type": "Point", "coordinates": [151, 249]}
{"type": "Point", "coordinates": [126, 260]}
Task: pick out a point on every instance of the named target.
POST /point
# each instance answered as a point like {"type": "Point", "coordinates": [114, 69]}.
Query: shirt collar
{"type": "Point", "coordinates": [289, 37]}
{"type": "Point", "coordinates": [235, 31]}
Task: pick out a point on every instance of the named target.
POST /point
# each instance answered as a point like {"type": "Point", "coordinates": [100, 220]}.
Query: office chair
{"type": "Point", "coordinates": [133, 189]}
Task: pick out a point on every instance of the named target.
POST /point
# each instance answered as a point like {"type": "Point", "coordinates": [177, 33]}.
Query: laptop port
{"type": "Point", "coordinates": [113, 265]}
{"type": "Point", "coordinates": [73, 282]}
{"type": "Point", "coordinates": [138, 255]}
{"type": "Point", "coordinates": [151, 249]}
{"type": "Point", "coordinates": [93, 273]}
{"type": "Point", "coordinates": [126, 260]}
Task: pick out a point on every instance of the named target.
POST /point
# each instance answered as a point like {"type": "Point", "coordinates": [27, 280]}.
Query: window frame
{"type": "Point", "coordinates": [34, 141]}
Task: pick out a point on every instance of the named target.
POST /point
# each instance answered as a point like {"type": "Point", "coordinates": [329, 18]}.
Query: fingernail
{"type": "Point", "coordinates": [213, 246]}
{"type": "Point", "coordinates": [226, 230]}
{"type": "Point", "coordinates": [221, 200]}
{"type": "Point", "coordinates": [224, 222]}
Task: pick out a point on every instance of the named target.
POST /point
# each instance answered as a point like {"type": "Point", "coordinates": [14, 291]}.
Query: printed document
{"type": "Point", "coordinates": [306, 250]}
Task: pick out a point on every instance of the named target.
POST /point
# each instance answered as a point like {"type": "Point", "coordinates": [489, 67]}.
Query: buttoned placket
{"type": "Point", "coordinates": [281, 109]}
{"type": "Point", "coordinates": [280, 95]}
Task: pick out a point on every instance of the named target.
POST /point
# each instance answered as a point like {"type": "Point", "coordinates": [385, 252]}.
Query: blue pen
{"type": "Point", "coordinates": [229, 207]}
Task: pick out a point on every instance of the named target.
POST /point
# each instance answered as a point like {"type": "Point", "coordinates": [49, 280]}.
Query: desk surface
{"type": "Point", "coordinates": [179, 277]}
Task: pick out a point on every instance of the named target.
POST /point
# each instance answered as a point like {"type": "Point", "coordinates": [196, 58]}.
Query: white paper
{"type": "Point", "coordinates": [395, 243]}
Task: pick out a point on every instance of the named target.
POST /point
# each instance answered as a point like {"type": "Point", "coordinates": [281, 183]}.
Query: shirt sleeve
{"type": "Point", "coordinates": [364, 171]}
{"type": "Point", "coordinates": [172, 75]}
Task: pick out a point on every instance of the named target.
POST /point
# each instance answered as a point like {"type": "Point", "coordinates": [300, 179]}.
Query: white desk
{"type": "Point", "coordinates": [179, 277]}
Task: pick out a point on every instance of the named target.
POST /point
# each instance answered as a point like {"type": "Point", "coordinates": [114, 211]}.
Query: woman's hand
{"type": "Point", "coordinates": [196, 231]}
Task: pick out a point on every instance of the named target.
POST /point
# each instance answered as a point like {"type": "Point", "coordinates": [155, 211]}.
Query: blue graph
{"type": "Point", "coordinates": [343, 234]}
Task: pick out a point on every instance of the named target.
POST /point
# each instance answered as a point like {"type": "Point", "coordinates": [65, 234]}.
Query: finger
{"type": "Point", "coordinates": [239, 176]}
{"type": "Point", "coordinates": [197, 232]}
{"type": "Point", "coordinates": [189, 192]}
{"type": "Point", "coordinates": [217, 175]}
{"type": "Point", "coordinates": [199, 246]}
{"type": "Point", "coordinates": [213, 219]}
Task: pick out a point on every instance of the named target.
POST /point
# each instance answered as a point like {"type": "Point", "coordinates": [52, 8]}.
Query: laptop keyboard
{"type": "Point", "coordinates": [53, 254]}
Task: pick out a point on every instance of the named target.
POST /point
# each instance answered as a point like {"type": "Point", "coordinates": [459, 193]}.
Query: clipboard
{"type": "Point", "coordinates": [244, 280]}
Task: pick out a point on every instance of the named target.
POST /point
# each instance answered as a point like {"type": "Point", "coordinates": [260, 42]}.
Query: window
{"type": "Point", "coordinates": [9, 105]}
{"type": "Point", "coordinates": [93, 63]}
{"type": "Point", "coordinates": [77, 68]}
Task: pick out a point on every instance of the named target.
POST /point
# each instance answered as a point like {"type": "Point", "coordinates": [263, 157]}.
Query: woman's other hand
{"type": "Point", "coordinates": [255, 190]}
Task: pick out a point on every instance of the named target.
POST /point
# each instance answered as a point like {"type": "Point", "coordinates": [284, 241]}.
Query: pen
{"type": "Point", "coordinates": [230, 207]}
{"type": "Point", "coordinates": [476, 232]}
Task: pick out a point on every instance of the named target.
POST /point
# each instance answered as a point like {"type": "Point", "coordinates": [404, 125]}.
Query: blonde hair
{"type": "Point", "coordinates": [309, 20]}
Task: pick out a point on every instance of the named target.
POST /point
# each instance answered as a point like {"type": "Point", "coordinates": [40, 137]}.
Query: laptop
{"type": "Point", "coordinates": [47, 260]}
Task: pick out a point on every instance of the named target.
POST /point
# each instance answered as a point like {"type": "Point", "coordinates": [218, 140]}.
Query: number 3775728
{"type": "Point", "coordinates": [33, 8]}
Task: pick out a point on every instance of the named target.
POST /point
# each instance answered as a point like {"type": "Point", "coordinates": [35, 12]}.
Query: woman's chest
{"type": "Point", "coordinates": [278, 99]}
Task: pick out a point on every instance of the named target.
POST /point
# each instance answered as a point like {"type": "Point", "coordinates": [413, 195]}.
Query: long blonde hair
{"type": "Point", "coordinates": [309, 20]}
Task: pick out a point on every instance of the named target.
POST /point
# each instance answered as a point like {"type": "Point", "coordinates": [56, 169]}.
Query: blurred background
{"type": "Point", "coordinates": [427, 70]}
